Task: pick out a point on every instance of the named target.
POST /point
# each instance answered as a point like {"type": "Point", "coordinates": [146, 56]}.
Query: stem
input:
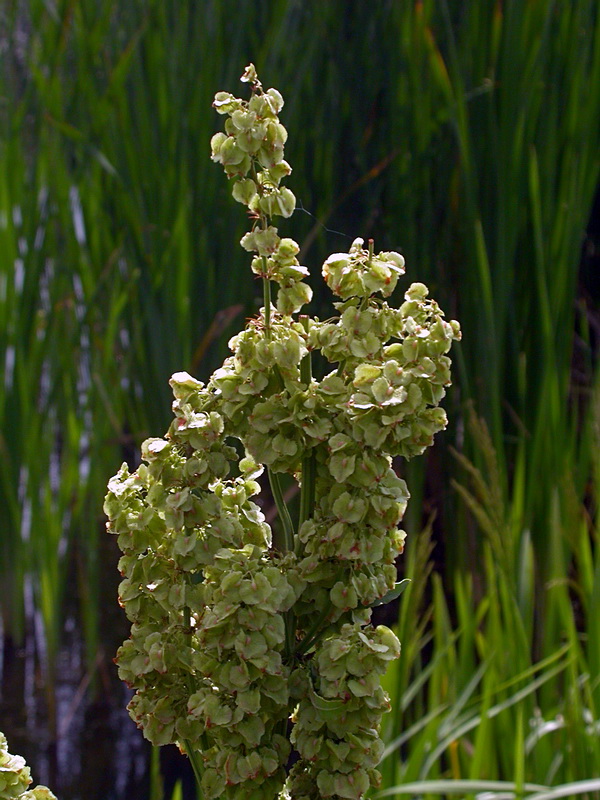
{"type": "Point", "coordinates": [264, 223]}
{"type": "Point", "coordinates": [267, 300]}
{"type": "Point", "coordinates": [306, 363]}
{"type": "Point", "coordinates": [289, 619]}
{"type": "Point", "coordinates": [287, 542]}
{"type": "Point", "coordinates": [267, 303]}
{"type": "Point", "coordinates": [189, 751]}
{"type": "Point", "coordinates": [307, 492]}
{"type": "Point", "coordinates": [187, 746]}
{"type": "Point", "coordinates": [313, 634]}
{"type": "Point", "coordinates": [284, 545]}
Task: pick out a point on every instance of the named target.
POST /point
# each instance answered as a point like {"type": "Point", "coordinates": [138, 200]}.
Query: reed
{"type": "Point", "coordinates": [491, 688]}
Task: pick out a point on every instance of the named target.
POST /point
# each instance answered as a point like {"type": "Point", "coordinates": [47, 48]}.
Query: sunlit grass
{"type": "Point", "coordinates": [502, 683]}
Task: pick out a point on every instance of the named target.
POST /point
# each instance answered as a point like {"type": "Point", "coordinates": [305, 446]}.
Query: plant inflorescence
{"type": "Point", "coordinates": [252, 647]}
{"type": "Point", "coordinates": [15, 777]}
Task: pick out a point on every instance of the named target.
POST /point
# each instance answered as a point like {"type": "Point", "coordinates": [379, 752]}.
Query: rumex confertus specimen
{"type": "Point", "coordinates": [236, 629]}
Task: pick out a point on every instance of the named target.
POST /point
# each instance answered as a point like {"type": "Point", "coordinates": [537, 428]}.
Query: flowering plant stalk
{"type": "Point", "coordinates": [252, 647]}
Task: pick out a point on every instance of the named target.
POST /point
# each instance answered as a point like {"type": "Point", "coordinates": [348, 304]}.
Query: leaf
{"type": "Point", "coordinates": [328, 709]}
{"type": "Point", "coordinates": [341, 466]}
{"type": "Point", "coordinates": [392, 594]}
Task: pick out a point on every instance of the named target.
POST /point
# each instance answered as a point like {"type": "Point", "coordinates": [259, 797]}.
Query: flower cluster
{"type": "Point", "coordinates": [352, 540]}
{"type": "Point", "coordinates": [339, 714]}
{"type": "Point", "coordinates": [239, 630]}
{"type": "Point", "coordinates": [15, 777]}
{"type": "Point", "coordinates": [358, 273]}
{"type": "Point", "coordinates": [252, 145]}
{"type": "Point", "coordinates": [240, 649]}
{"type": "Point", "coordinates": [174, 518]}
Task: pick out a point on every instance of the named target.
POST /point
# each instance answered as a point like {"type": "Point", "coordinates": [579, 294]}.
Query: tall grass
{"type": "Point", "coordinates": [465, 134]}
{"type": "Point", "coordinates": [489, 688]}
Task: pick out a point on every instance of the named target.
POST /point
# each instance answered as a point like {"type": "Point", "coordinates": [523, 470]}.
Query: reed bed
{"type": "Point", "coordinates": [465, 134]}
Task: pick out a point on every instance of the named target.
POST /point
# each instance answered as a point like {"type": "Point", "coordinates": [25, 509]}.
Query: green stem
{"type": "Point", "coordinates": [191, 754]}
{"type": "Point", "coordinates": [267, 300]}
{"type": "Point", "coordinates": [307, 492]}
{"type": "Point", "coordinates": [314, 633]}
{"type": "Point", "coordinates": [286, 543]}
{"type": "Point", "coordinates": [289, 619]}
{"type": "Point", "coordinates": [264, 223]}
{"type": "Point", "coordinates": [306, 363]}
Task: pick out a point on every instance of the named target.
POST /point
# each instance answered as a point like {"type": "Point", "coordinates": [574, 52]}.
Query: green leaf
{"type": "Point", "coordinates": [392, 594]}
{"type": "Point", "coordinates": [328, 709]}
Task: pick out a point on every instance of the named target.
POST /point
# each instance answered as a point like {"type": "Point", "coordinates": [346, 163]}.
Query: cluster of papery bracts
{"type": "Point", "coordinates": [236, 634]}
{"type": "Point", "coordinates": [15, 778]}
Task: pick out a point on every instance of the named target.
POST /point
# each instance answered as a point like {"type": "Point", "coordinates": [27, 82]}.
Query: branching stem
{"type": "Point", "coordinates": [314, 633]}
{"type": "Point", "coordinates": [190, 752]}
{"type": "Point", "coordinates": [307, 493]}
{"type": "Point", "coordinates": [192, 755]}
{"type": "Point", "coordinates": [285, 543]}
{"type": "Point", "coordinates": [267, 300]}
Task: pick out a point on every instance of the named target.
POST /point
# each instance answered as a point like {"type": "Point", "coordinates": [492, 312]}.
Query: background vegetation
{"type": "Point", "coordinates": [466, 135]}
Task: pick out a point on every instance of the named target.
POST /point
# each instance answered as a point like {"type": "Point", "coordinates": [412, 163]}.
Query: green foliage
{"type": "Point", "coordinates": [488, 704]}
{"type": "Point", "coordinates": [224, 648]}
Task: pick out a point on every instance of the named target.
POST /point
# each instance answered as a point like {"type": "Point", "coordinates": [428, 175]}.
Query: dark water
{"type": "Point", "coordinates": [70, 722]}
{"type": "Point", "coordinates": [94, 750]}
{"type": "Point", "coordinates": [87, 746]}
{"type": "Point", "coordinates": [72, 727]}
